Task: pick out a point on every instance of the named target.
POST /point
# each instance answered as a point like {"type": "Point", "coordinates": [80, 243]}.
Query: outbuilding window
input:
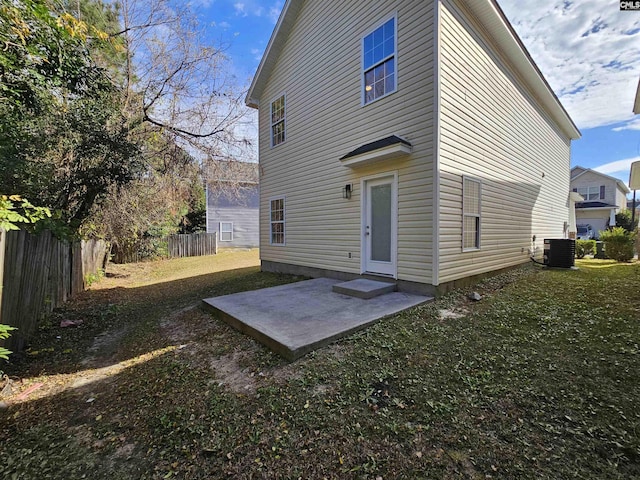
{"type": "Point", "coordinates": [226, 231]}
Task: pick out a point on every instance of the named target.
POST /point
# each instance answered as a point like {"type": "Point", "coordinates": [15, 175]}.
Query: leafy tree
{"type": "Point", "coordinates": [623, 219]}
{"type": "Point", "coordinates": [111, 112]}
{"type": "Point", "coordinates": [23, 212]}
{"type": "Point", "coordinates": [63, 136]}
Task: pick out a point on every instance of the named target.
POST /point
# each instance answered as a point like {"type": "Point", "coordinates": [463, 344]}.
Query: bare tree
{"type": "Point", "coordinates": [178, 85]}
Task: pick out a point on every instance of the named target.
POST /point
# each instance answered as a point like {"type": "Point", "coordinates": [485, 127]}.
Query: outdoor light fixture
{"type": "Point", "coordinates": [346, 191]}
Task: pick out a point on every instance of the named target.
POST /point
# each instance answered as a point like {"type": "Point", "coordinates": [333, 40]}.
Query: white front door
{"type": "Point", "coordinates": [380, 226]}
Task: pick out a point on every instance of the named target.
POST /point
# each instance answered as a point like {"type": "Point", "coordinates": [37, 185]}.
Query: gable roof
{"type": "Point", "coordinates": [621, 184]}
{"type": "Point", "coordinates": [490, 15]}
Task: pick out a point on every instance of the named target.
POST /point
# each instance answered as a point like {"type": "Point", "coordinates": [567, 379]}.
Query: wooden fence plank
{"type": "Point", "coordinates": [38, 273]}
{"type": "Point", "coordinates": [192, 245]}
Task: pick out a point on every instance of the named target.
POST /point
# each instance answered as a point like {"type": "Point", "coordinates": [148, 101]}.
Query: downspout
{"type": "Point", "coordinates": [435, 265]}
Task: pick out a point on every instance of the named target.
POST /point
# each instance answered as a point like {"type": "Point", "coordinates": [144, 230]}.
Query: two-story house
{"type": "Point", "coordinates": [604, 196]}
{"type": "Point", "coordinates": [408, 140]}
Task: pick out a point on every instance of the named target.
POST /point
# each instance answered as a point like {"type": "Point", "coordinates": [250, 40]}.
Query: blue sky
{"type": "Point", "coordinates": [589, 53]}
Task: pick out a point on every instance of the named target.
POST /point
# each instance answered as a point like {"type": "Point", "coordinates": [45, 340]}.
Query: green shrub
{"type": "Point", "coordinates": [623, 219]}
{"type": "Point", "coordinates": [618, 243]}
{"type": "Point", "coordinates": [585, 247]}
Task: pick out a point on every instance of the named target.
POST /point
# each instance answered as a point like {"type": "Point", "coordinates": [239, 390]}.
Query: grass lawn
{"type": "Point", "coordinates": [540, 379]}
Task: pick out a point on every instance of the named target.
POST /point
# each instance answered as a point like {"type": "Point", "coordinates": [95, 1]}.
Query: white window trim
{"type": "Point", "coordinates": [478, 216]}
{"type": "Point", "coordinates": [394, 15]}
{"type": "Point", "coordinates": [284, 120]}
{"type": "Point", "coordinates": [226, 231]}
{"type": "Point", "coordinates": [284, 221]}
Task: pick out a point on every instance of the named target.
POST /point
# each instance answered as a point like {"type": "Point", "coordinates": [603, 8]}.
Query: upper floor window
{"type": "Point", "coordinates": [591, 193]}
{"type": "Point", "coordinates": [379, 61]}
{"type": "Point", "coordinates": [277, 121]}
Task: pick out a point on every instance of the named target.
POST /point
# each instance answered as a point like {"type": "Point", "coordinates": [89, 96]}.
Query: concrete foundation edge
{"type": "Point", "coordinates": [278, 347]}
{"type": "Point", "coordinates": [403, 285]}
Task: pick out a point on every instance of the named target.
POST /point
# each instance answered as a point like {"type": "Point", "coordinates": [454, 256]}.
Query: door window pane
{"type": "Point", "coordinates": [381, 223]}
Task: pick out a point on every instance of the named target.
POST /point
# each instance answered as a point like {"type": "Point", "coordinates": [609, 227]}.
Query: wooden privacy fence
{"type": "Point", "coordinates": [192, 245]}
{"type": "Point", "coordinates": [37, 274]}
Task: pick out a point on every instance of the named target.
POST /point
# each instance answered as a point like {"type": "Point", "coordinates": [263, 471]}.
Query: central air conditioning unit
{"type": "Point", "coordinates": [559, 252]}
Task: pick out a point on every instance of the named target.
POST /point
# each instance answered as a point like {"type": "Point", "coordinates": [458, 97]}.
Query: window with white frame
{"type": "Point", "coordinates": [379, 61]}
{"type": "Point", "coordinates": [226, 231]}
{"type": "Point", "coordinates": [276, 215]}
{"type": "Point", "coordinates": [591, 193]}
{"type": "Point", "coordinates": [277, 121]}
{"type": "Point", "coordinates": [471, 192]}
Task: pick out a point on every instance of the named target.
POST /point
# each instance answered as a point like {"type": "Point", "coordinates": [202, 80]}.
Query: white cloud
{"type": "Point", "coordinates": [588, 52]}
{"type": "Point", "coordinates": [632, 125]}
{"type": "Point", "coordinates": [241, 9]}
{"type": "Point", "coordinates": [617, 167]}
{"type": "Point", "coordinates": [257, 9]}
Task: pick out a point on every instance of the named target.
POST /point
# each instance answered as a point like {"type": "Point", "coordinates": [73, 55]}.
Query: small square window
{"type": "Point", "coordinates": [226, 231]}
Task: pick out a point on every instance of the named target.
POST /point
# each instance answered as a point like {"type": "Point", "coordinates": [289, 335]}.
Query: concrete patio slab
{"type": "Point", "coordinates": [297, 318]}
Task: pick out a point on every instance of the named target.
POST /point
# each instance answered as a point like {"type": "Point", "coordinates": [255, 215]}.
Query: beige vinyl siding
{"type": "Point", "coordinates": [320, 71]}
{"type": "Point", "coordinates": [493, 130]}
{"type": "Point", "coordinates": [621, 198]}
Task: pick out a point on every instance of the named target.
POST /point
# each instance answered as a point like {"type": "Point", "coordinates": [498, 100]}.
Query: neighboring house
{"type": "Point", "coordinates": [413, 140]}
{"type": "Point", "coordinates": [604, 196]}
{"type": "Point", "coordinates": [233, 203]}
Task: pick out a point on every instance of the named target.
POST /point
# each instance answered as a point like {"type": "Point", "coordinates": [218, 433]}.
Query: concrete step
{"type": "Point", "coordinates": [364, 288]}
